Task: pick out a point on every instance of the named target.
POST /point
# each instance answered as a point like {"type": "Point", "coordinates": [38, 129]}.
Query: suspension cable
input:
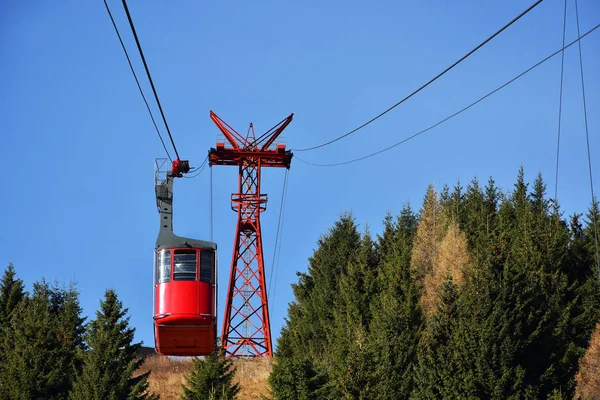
{"type": "Point", "coordinates": [280, 241]}
{"type": "Point", "coordinates": [139, 46]}
{"type": "Point", "coordinates": [137, 80]}
{"type": "Point", "coordinates": [456, 113]}
{"type": "Point", "coordinates": [279, 223]}
{"type": "Point", "coordinates": [428, 83]}
{"type": "Point", "coordinates": [562, 68]}
{"type": "Point", "coordinates": [587, 138]}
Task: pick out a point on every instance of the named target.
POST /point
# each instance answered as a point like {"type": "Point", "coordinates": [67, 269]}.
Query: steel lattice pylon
{"type": "Point", "coordinates": [246, 326]}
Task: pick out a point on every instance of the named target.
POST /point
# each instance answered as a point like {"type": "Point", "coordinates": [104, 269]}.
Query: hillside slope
{"type": "Point", "coordinates": [168, 375]}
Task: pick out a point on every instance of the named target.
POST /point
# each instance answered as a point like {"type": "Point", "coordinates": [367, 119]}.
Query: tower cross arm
{"type": "Point", "coordinates": [235, 139]}
{"type": "Point", "coordinates": [276, 131]}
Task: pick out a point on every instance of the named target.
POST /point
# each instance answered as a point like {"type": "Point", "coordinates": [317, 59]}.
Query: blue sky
{"type": "Point", "coordinates": [78, 146]}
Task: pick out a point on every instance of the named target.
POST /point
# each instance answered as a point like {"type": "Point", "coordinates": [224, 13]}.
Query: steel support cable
{"type": "Point", "coordinates": [137, 80]}
{"type": "Point", "coordinates": [456, 113]}
{"type": "Point", "coordinates": [587, 138]}
{"type": "Point", "coordinates": [210, 199]}
{"type": "Point", "coordinates": [283, 192]}
{"type": "Point", "coordinates": [280, 241]}
{"type": "Point", "coordinates": [429, 82]}
{"type": "Point", "coordinates": [139, 46]}
{"type": "Point", "coordinates": [560, 96]}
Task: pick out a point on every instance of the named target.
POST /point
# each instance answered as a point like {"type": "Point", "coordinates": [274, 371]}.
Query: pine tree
{"type": "Point", "coordinates": [44, 338]}
{"type": "Point", "coordinates": [211, 378]}
{"type": "Point", "coordinates": [396, 322]}
{"type": "Point", "coordinates": [351, 359]}
{"type": "Point", "coordinates": [436, 374]}
{"type": "Point", "coordinates": [296, 378]}
{"type": "Point", "coordinates": [308, 331]}
{"type": "Point", "coordinates": [592, 233]}
{"type": "Point", "coordinates": [111, 360]}
{"type": "Point", "coordinates": [11, 293]}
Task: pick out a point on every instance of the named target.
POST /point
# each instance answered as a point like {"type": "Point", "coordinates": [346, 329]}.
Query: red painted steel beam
{"type": "Point", "coordinates": [246, 325]}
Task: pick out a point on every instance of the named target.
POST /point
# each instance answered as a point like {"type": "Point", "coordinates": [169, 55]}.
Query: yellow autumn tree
{"type": "Point", "coordinates": [430, 232]}
{"type": "Point", "coordinates": [440, 249]}
{"type": "Point", "coordinates": [452, 260]}
{"type": "Point", "coordinates": [588, 377]}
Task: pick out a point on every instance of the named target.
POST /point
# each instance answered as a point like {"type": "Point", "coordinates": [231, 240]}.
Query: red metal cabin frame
{"type": "Point", "coordinates": [246, 325]}
{"type": "Point", "coordinates": [185, 303]}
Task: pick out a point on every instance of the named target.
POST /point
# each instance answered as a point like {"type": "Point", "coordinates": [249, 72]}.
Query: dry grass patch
{"type": "Point", "coordinates": [252, 375]}
{"type": "Point", "coordinates": [168, 375]}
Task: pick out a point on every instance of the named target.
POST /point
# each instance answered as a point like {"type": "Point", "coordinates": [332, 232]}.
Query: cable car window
{"type": "Point", "coordinates": [164, 266]}
{"type": "Point", "coordinates": [206, 263]}
{"type": "Point", "coordinates": [185, 265]}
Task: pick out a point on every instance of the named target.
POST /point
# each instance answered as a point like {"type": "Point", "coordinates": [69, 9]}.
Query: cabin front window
{"type": "Point", "coordinates": [185, 265]}
{"type": "Point", "coordinates": [206, 266]}
{"type": "Point", "coordinates": [164, 266]}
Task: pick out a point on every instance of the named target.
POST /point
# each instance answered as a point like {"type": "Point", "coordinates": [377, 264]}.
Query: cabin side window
{"type": "Point", "coordinates": [185, 265]}
{"type": "Point", "coordinates": [164, 266]}
{"type": "Point", "coordinates": [206, 266]}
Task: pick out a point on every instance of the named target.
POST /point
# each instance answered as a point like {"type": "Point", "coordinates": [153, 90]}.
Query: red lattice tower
{"type": "Point", "coordinates": [246, 325]}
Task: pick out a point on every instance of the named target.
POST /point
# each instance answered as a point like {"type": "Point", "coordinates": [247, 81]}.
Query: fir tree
{"type": "Point", "coordinates": [111, 360]}
{"type": "Point", "coordinates": [308, 332]}
{"type": "Point", "coordinates": [11, 294]}
{"type": "Point", "coordinates": [44, 338]}
{"type": "Point", "coordinates": [396, 316]}
{"type": "Point", "coordinates": [436, 374]}
{"type": "Point", "coordinates": [211, 378]}
{"type": "Point", "coordinates": [351, 358]}
{"type": "Point", "coordinates": [296, 378]}
{"type": "Point", "coordinates": [12, 291]}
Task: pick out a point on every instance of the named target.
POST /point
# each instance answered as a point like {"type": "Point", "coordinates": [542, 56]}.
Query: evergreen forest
{"type": "Point", "coordinates": [48, 351]}
{"type": "Point", "coordinates": [479, 294]}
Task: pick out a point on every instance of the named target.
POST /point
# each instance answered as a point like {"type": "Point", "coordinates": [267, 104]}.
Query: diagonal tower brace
{"type": "Point", "coordinates": [246, 325]}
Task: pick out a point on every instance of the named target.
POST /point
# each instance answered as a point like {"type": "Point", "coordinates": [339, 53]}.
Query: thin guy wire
{"type": "Point", "coordinates": [587, 138]}
{"type": "Point", "coordinates": [137, 81]}
{"type": "Point", "coordinates": [280, 241]}
{"type": "Point", "coordinates": [456, 113]}
{"type": "Point", "coordinates": [283, 190]}
{"type": "Point", "coordinates": [429, 82]}
{"type": "Point", "coordinates": [139, 46]}
{"type": "Point", "coordinates": [562, 68]}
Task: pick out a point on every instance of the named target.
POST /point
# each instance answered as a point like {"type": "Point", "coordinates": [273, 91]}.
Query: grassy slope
{"type": "Point", "coordinates": [168, 375]}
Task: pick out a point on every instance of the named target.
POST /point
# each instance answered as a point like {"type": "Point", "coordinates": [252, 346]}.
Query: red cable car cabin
{"type": "Point", "coordinates": [185, 301]}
